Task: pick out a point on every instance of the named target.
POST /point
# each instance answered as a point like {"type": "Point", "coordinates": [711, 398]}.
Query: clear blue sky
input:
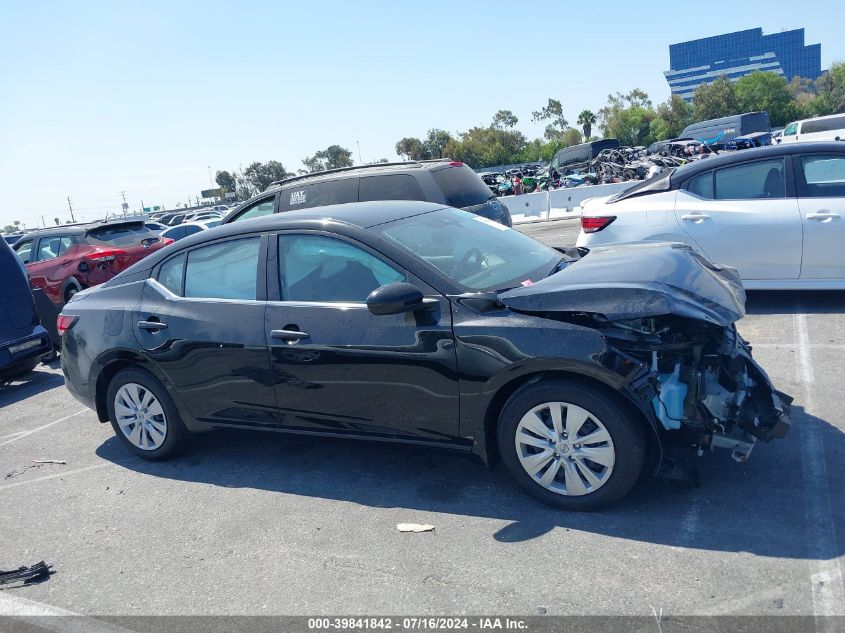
{"type": "Point", "coordinates": [100, 97]}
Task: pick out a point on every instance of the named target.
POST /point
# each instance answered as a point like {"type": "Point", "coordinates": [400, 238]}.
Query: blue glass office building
{"type": "Point", "coordinates": [737, 54]}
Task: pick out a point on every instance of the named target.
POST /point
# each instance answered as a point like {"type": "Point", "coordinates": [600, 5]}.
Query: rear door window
{"type": "Point", "coordinates": [227, 270]}
{"type": "Point", "coordinates": [760, 179]}
{"type": "Point", "coordinates": [319, 194]}
{"type": "Point", "coordinates": [461, 186]}
{"type": "Point", "coordinates": [389, 187]}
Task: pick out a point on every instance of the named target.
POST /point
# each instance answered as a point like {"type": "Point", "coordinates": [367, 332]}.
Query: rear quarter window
{"type": "Point", "coordinates": [701, 185]}
{"type": "Point", "coordinates": [389, 187]}
{"type": "Point", "coordinates": [461, 186]}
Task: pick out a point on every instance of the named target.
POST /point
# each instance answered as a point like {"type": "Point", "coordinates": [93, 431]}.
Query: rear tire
{"type": "Point", "coordinates": [143, 415]}
{"type": "Point", "coordinates": [69, 292]}
{"type": "Point", "coordinates": [571, 445]}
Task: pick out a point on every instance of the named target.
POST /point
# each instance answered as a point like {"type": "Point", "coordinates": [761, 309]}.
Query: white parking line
{"type": "Point", "coordinates": [44, 616]}
{"type": "Point", "coordinates": [65, 473]}
{"type": "Point", "coordinates": [826, 583]}
{"type": "Point", "coordinates": [24, 434]}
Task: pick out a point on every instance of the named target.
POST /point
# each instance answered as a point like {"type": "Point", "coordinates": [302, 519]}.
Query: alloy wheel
{"type": "Point", "coordinates": [565, 448]}
{"type": "Point", "coordinates": [140, 416]}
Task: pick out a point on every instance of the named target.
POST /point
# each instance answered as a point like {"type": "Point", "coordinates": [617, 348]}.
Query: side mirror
{"type": "Point", "coordinates": [395, 298]}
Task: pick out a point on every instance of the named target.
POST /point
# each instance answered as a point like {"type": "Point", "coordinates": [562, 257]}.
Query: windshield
{"type": "Point", "coordinates": [475, 252]}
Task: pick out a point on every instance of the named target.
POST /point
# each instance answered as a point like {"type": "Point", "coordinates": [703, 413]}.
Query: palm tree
{"type": "Point", "coordinates": [586, 120]}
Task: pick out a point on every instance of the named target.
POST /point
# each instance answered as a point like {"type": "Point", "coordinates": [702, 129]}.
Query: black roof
{"type": "Point", "coordinates": [331, 174]}
{"type": "Point", "coordinates": [363, 215]}
{"type": "Point", "coordinates": [770, 151]}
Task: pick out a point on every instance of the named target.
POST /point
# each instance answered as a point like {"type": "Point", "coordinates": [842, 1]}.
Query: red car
{"type": "Point", "coordinates": [65, 259]}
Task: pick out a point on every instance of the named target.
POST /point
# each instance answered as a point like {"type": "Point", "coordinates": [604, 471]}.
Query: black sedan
{"type": "Point", "coordinates": [413, 322]}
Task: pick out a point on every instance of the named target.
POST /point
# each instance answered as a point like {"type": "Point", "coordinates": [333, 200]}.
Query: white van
{"type": "Point", "coordinates": [823, 128]}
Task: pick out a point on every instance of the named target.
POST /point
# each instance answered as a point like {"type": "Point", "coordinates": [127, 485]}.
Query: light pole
{"type": "Point", "coordinates": [360, 162]}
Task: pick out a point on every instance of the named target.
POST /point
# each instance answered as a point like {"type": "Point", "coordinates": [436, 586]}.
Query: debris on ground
{"type": "Point", "coordinates": [27, 575]}
{"type": "Point", "coordinates": [36, 463]}
{"type": "Point", "coordinates": [414, 527]}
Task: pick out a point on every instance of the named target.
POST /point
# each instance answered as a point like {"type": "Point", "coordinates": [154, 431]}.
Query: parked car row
{"type": "Point", "coordinates": [411, 321]}
{"type": "Point", "coordinates": [63, 260]}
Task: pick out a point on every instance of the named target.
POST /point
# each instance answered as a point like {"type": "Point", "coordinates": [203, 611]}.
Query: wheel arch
{"type": "Point", "coordinates": [109, 366]}
{"type": "Point", "coordinates": [487, 448]}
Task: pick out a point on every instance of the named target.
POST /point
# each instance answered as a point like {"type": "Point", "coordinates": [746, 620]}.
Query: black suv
{"type": "Point", "coordinates": [22, 339]}
{"type": "Point", "coordinates": [440, 181]}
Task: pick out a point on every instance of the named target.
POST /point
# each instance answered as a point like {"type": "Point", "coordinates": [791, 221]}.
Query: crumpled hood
{"type": "Point", "coordinates": [630, 281]}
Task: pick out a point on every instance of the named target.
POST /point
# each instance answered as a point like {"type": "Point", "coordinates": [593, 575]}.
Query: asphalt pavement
{"type": "Point", "coordinates": [557, 233]}
{"type": "Point", "coordinates": [272, 524]}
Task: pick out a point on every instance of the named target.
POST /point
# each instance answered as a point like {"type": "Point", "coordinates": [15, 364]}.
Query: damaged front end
{"type": "Point", "coordinates": [670, 312]}
{"type": "Point", "coordinates": [701, 381]}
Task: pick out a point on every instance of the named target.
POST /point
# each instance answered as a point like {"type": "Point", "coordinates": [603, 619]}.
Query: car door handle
{"type": "Point", "coordinates": [289, 335]}
{"type": "Point", "coordinates": [695, 217]}
{"type": "Point", "coordinates": [822, 215]}
{"type": "Point", "coordinates": [152, 326]}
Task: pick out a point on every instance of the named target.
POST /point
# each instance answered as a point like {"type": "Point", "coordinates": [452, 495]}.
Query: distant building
{"type": "Point", "coordinates": [738, 54]}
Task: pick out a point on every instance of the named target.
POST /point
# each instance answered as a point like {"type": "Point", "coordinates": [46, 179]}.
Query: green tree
{"type": "Point", "coordinates": [226, 181]}
{"type": "Point", "coordinates": [673, 115]}
{"type": "Point", "coordinates": [571, 136]}
{"type": "Point", "coordinates": [766, 92]}
{"type": "Point", "coordinates": [487, 146]}
{"type": "Point", "coordinates": [552, 112]}
{"type": "Point", "coordinates": [258, 176]}
{"type": "Point", "coordinates": [411, 148]}
{"type": "Point", "coordinates": [333, 157]}
{"type": "Point", "coordinates": [714, 100]}
{"type": "Point", "coordinates": [628, 117]}
{"type": "Point", "coordinates": [586, 120]}
{"type": "Point", "coordinates": [830, 92]}
{"type": "Point", "coordinates": [435, 143]}
{"type": "Point", "coordinates": [504, 119]}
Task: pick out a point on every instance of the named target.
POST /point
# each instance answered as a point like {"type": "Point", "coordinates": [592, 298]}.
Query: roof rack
{"type": "Point", "coordinates": [285, 181]}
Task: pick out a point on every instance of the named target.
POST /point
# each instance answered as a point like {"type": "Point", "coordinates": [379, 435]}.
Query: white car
{"type": "Point", "coordinates": [776, 214]}
{"type": "Point", "coordinates": [822, 128]}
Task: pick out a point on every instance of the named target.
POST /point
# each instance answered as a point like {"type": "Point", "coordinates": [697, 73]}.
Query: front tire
{"type": "Point", "coordinates": [570, 444]}
{"type": "Point", "coordinates": [143, 415]}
